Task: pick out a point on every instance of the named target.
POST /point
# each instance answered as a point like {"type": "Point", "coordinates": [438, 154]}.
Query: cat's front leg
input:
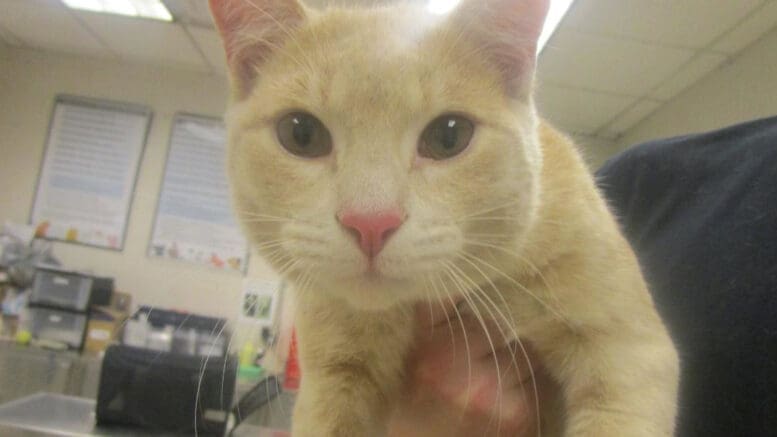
{"type": "Point", "coordinates": [345, 401]}
{"type": "Point", "coordinates": [621, 389]}
{"type": "Point", "coordinates": [352, 366]}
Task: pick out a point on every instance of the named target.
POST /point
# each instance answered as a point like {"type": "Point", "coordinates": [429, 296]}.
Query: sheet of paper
{"type": "Point", "coordinates": [194, 220]}
{"type": "Point", "coordinates": [89, 170]}
{"type": "Point", "coordinates": [260, 300]}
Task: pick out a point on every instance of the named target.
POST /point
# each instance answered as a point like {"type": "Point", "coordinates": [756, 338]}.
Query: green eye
{"type": "Point", "coordinates": [445, 137]}
{"type": "Point", "coordinates": [304, 135]}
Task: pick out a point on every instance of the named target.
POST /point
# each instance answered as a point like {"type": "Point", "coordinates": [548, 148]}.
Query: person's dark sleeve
{"type": "Point", "coordinates": [701, 214]}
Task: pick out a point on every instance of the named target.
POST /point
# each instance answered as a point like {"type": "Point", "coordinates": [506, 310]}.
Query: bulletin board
{"type": "Point", "coordinates": [90, 166]}
{"type": "Point", "coordinates": [194, 219]}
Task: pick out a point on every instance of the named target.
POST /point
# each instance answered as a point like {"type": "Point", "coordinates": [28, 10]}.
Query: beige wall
{"type": "Point", "coordinates": [743, 89]}
{"type": "Point", "coordinates": [29, 81]}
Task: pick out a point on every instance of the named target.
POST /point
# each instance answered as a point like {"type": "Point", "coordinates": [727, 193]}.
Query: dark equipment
{"type": "Point", "coordinates": [158, 391]}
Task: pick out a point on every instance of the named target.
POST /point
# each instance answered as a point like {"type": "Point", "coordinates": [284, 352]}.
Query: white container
{"type": "Point", "coordinates": [185, 341]}
{"type": "Point", "coordinates": [136, 331]}
{"type": "Point", "coordinates": [161, 339]}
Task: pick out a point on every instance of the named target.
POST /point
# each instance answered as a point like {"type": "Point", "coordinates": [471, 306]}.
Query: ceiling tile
{"type": "Point", "coordinates": [209, 42]}
{"type": "Point", "coordinates": [48, 24]}
{"type": "Point", "coordinates": [685, 23]}
{"type": "Point", "coordinates": [630, 117]}
{"type": "Point", "coordinates": [606, 64]}
{"type": "Point", "coordinates": [755, 26]}
{"type": "Point", "coordinates": [145, 40]}
{"type": "Point", "coordinates": [8, 38]}
{"type": "Point", "coordinates": [194, 12]}
{"type": "Point", "coordinates": [576, 110]}
{"type": "Point", "coordinates": [698, 67]}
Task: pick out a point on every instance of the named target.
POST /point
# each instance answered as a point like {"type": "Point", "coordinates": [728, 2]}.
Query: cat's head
{"type": "Point", "coordinates": [379, 155]}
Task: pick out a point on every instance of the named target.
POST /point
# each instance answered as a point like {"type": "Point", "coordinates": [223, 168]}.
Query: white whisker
{"type": "Point", "coordinates": [511, 324]}
{"type": "Point", "coordinates": [547, 306]}
{"type": "Point", "coordinates": [519, 257]}
{"type": "Point", "coordinates": [473, 306]}
{"type": "Point", "coordinates": [203, 366]}
{"type": "Point", "coordinates": [466, 341]}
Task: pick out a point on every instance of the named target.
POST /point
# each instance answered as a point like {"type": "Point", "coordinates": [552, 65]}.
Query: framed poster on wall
{"type": "Point", "coordinates": [89, 169]}
{"type": "Point", "coordinates": [194, 219]}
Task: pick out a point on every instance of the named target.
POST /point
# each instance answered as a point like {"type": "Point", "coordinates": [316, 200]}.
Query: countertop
{"type": "Point", "coordinates": [50, 414]}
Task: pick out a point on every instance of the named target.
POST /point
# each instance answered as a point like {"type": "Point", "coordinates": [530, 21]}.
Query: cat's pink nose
{"type": "Point", "coordinates": [372, 229]}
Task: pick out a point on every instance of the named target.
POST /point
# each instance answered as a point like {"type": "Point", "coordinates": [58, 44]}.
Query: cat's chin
{"type": "Point", "coordinates": [374, 292]}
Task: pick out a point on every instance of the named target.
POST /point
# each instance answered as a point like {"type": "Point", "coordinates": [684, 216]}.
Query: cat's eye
{"type": "Point", "coordinates": [445, 137]}
{"type": "Point", "coordinates": [304, 135]}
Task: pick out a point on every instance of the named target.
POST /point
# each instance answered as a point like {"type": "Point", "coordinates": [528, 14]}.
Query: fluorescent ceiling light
{"type": "Point", "coordinates": [133, 8]}
{"type": "Point", "coordinates": [441, 6]}
{"type": "Point", "coordinates": [558, 9]}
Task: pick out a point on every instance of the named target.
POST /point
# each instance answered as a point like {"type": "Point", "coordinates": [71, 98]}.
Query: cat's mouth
{"type": "Point", "coordinates": [373, 275]}
{"type": "Point", "coordinates": [373, 270]}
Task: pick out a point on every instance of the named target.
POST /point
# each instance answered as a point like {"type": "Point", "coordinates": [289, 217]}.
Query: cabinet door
{"type": "Point", "coordinates": [24, 371]}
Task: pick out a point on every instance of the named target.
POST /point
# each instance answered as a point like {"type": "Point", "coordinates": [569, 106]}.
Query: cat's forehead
{"type": "Point", "coordinates": [373, 55]}
{"type": "Point", "coordinates": [389, 31]}
{"type": "Point", "coordinates": [381, 62]}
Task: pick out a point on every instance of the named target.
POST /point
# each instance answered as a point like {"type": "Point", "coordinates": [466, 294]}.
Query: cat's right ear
{"type": "Point", "coordinates": [508, 32]}
{"type": "Point", "coordinates": [251, 31]}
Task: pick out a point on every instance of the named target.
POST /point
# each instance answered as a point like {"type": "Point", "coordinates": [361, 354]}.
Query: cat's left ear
{"type": "Point", "coordinates": [508, 32]}
{"type": "Point", "coordinates": [251, 31]}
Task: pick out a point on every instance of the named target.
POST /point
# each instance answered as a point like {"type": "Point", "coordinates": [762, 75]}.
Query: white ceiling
{"type": "Point", "coordinates": [614, 62]}
{"type": "Point", "coordinates": [609, 65]}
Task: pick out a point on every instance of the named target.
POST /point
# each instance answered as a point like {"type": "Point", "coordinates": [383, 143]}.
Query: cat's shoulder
{"type": "Point", "coordinates": [561, 156]}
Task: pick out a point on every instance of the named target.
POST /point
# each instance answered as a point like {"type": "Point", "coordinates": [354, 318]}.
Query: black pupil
{"type": "Point", "coordinates": [303, 130]}
{"type": "Point", "coordinates": [449, 134]}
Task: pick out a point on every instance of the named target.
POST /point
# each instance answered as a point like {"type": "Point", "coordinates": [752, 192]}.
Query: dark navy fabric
{"type": "Point", "coordinates": [701, 214]}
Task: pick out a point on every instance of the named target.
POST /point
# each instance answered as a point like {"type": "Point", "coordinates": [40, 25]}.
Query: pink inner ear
{"type": "Point", "coordinates": [250, 29]}
{"type": "Point", "coordinates": [508, 30]}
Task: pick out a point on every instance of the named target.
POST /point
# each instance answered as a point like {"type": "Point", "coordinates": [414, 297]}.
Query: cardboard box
{"type": "Point", "coordinates": [121, 302]}
{"type": "Point", "coordinates": [103, 329]}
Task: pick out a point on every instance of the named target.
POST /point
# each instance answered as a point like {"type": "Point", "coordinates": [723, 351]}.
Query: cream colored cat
{"type": "Point", "coordinates": [386, 156]}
